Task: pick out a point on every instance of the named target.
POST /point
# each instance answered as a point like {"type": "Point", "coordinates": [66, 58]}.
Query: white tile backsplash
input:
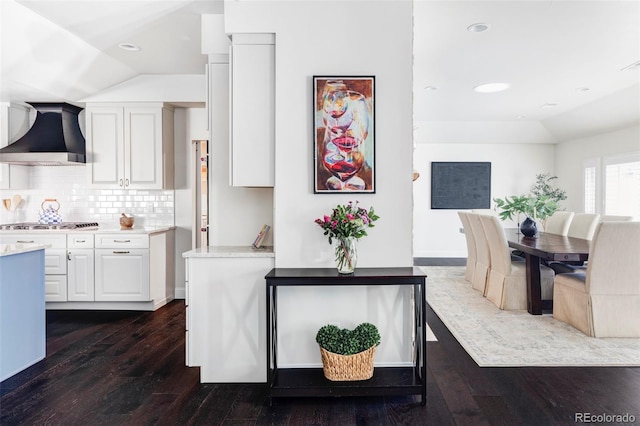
{"type": "Point", "coordinates": [67, 184]}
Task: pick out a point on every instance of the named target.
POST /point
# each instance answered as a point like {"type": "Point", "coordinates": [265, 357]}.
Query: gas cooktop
{"type": "Point", "coordinates": [35, 226]}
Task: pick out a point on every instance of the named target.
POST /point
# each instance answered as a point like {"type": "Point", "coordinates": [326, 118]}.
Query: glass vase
{"type": "Point", "coordinates": [346, 254]}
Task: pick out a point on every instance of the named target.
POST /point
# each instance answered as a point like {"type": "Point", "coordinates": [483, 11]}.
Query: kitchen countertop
{"type": "Point", "coordinates": [100, 230]}
{"type": "Point", "coordinates": [230, 251]}
{"type": "Point", "coordinates": [9, 249]}
{"type": "Point", "coordinates": [134, 230]}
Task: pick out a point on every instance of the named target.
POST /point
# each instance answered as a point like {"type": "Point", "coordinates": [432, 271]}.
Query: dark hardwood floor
{"type": "Point", "coordinates": [121, 368]}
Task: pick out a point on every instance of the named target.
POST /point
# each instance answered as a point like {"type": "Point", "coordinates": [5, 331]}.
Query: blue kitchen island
{"type": "Point", "coordinates": [22, 307]}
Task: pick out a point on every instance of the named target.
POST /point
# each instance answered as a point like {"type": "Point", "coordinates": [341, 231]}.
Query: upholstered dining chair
{"type": "Point", "coordinates": [485, 211]}
{"type": "Point", "coordinates": [583, 225]}
{"type": "Point", "coordinates": [604, 301]}
{"type": "Point", "coordinates": [558, 223]}
{"type": "Point", "coordinates": [471, 246]}
{"type": "Point", "coordinates": [507, 283]}
{"type": "Point", "coordinates": [614, 218]}
{"type": "Point", "coordinates": [483, 259]}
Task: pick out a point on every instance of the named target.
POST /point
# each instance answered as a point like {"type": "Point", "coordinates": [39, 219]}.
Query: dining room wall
{"type": "Point", "coordinates": [571, 155]}
{"type": "Point", "coordinates": [513, 171]}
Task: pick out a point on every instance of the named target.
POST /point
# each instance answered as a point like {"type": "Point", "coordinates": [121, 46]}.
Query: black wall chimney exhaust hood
{"type": "Point", "coordinates": [54, 139]}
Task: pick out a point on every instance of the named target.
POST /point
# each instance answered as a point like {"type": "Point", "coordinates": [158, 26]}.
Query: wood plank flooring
{"type": "Point", "coordinates": [128, 368]}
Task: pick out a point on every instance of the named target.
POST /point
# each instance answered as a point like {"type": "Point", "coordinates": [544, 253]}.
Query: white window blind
{"type": "Point", "coordinates": [622, 185]}
{"type": "Point", "coordinates": [589, 188]}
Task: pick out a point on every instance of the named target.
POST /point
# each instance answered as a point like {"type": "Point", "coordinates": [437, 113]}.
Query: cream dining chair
{"type": "Point", "coordinates": [507, 283]}
{"type": "Point", "coordinates": [471, 246]}
{"type": "Point", "coordinates": [558, 223]}
{"type": "Point", "coordinates": [604, 301]}
{"type": "Point", "coordinates": [614, 218]}
{"type": "Point", "coordinates": [583, 225]}
{"type": "Point", "coordinates": [483, 259]}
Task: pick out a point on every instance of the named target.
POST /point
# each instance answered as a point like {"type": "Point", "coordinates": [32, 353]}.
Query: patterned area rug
{"type": "Point", "coordinates": [497, 338]}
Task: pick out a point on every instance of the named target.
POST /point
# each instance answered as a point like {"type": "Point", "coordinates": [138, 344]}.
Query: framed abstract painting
{"type": "Point", "coordinates": [343, 134]}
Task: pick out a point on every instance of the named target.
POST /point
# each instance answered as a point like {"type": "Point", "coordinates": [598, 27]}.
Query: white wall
{"type": "Point", "coordinates": [513, 171]}
{"type": "Point", "coordinates": [338, 38]}
{"type": "Point", "coordinates": [570, 157]}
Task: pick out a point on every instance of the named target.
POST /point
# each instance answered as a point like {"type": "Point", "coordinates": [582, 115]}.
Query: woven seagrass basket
{"type": "Point", "coordinates": [348, 367]}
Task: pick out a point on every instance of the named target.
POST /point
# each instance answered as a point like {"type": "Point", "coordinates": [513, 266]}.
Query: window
{"type": "Point", "coordinates": [590, 186]}
{"type": "Point", "coordinates": [612, 185]}
{"type": "Point", "coordinates": [622, 185]}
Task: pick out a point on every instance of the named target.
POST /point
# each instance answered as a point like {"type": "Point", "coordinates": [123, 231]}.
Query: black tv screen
{"type": "Point", "coordinates": [460, 185]}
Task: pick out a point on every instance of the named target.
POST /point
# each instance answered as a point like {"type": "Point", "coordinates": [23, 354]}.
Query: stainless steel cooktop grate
{"type": "Point", "coordinates": [35, 226]}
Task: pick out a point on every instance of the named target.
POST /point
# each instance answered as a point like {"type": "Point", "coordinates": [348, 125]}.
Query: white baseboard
{"type": "Point", "coordinates": [180, 293]}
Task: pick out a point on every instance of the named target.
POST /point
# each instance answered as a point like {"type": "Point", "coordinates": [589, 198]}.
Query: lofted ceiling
{"type": "Point", "coordinates": [563, 60]}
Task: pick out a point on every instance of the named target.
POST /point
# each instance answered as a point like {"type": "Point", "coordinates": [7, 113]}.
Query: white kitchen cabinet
{"type": "Point", "coordinates": [225, 322]}
{"type": "Point", "coordinates": [122, 268]}
{"type": "Point", "coordinates": [122, 275]}
{"type": "Point", "coordinates": [80, 268]}
{"type": "Point", "coordinates": [252, 133]}
{"type": "Point", "coordinates": [132, 267]}
{"type": "Point", "coordinates": [130, 146]}
{"type": "Point", "coordinates": [55, 261]}
{"type": "Point", "coordinates": [14, 123]}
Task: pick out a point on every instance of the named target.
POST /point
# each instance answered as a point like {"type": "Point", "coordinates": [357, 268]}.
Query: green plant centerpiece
{"type": "Point", "coordinates": [347, 355]}
{"type": "Point", "coordinates": [346, 225]}
{"type": "Point", "coordinates": [541, 202]}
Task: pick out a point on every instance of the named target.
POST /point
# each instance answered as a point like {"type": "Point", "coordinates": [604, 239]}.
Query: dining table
{"type": "Point", "coordinates": [544, 247]}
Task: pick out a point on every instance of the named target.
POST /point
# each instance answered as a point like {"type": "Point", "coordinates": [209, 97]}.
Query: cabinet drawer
{"type": "Point", "coordinates": [55, 262]}
{"type": "Point", "coordinates": [56, 241]}
{"type": "Point", "coordinates": [122, 241]}
{"type": "Point", "coordinates": [79, 240]}
{"type": "Point", "coordinates": [55, 288]}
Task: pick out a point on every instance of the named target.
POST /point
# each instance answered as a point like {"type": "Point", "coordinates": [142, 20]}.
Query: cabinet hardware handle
{"type": "Point", "coordinates": [121, 182]}
{"type": "Point", "coordinates": [25, 242]}
{"type": "Point", "coordinates": [80, 241]}
{"type": "Point", "coordinates": [126, 182]}
{"type": "Point", "coordinates": [68, 255]}
{"type": "Point", "coordinates": [121, 241]}
{"type": "Point", "coordinates": [120, 252]}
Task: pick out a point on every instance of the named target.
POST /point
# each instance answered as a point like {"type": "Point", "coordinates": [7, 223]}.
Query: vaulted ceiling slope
{"type": "Point", "coordinates": [68, 49]}
{"type": "Point", "coordinates": [563, 59]}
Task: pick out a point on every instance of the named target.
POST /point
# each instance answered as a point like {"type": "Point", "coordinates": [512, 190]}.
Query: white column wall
{"type": "Point", "coordinates": [338, 38]}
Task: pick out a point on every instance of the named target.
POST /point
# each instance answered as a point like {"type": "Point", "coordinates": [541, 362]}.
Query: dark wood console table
{"type": "Point", "coordinates": [305, 382]}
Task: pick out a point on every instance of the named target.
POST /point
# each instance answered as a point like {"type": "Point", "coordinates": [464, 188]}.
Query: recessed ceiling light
{"type": "Point", "coordinates": [430, 88]}
{"type": "Point", "coordinates": [491, 87]}
{"type": "Point", "coordinates": [633, 66]}
{"type": "Point", "coordinates": [521, 117]}
{"type": "Point", "coordinates": [548, 105]}
{"type": "Point", "coordinates": [582, 89]}
{"type": "Point", "coordinates": [478, 28]}
{"type": "Point", "coordinates": [129, 47]}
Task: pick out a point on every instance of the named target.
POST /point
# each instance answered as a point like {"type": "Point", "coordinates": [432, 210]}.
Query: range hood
{"type": "Point", "coordinates": [54, 139]}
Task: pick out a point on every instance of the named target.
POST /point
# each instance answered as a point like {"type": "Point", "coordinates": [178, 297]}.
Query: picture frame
{"type": "Point", "coordinates": [459, 185]}
{"type": "Point", "coordinates": [344, 134]}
